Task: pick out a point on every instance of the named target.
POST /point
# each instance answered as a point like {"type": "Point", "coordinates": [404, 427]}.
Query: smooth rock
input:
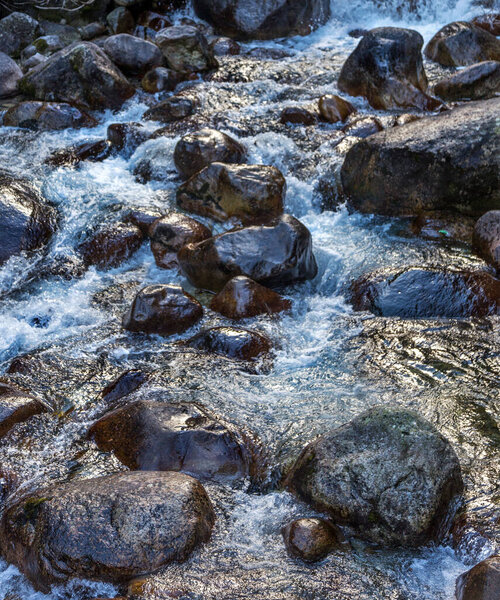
{"type": "Point", "coordinates": [111, 245]}
{"type": "Point", "coordinates": [131, 54]}
{"type": "Point", "coordinates": [127, 136]}
{"type": "Point", "coordinates": [186, 49]}
{"type": "Point", "coordinates": [160, 79]}
{"type": "Point", "coordinates": [333, 108]}
{"type": "Point", "coordinates": [74, 155]}
{"type": "Point", "coordinates": [477, 82]}
{"type": "Point", "coordinates": [16, 406]}
{"type": "Point", "coordinates": [489, 21]}
{"type": "Point", "coordinates": [482, 582]}
{"type": "Point", "coordinates": [240, 344]}
{"type": "Point", "coordinates": [486, 238]}
{"type": "Point", "coordinates": [172, 109]}
{"type": "Point", "coordinates": [311, 539]}
{"type": "Point", "coordinates": [47, 116]}
{"type": "Point", "coordinates": [363, 127]}
{"type": "Point", "coordinates": [224, 46]}
{"type": "Point", "coordinates": [10, 75]}
{"type": "Point", "coordinates": [298, 115]}
{"type": "Point", "coordinates": [92, 30]}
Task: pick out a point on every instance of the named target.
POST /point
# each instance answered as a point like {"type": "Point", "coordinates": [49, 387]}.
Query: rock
{"type": "Point", "coordinates": [396, 172]}
{"type": "Point", "coordinates": [143, 218]}
{"type": "Point", "coordinates": [111, 245]}
{"type": "Point", "coordinates": [427, 293]}
{"type": "Point", "coordinates": [160, 79]}
{"type": "Point", "coordinates": [17, 31]}
{"type": "Point", "coordinates": [460, 44]}
{"type": "Point", "coordinates": [224, 46]}
{"type": "Point", "coordinates": [92, 30]}
{"type": "Point", "coordinates": [48, 44]}
{"type": "Point", "coordinates": [153, 20]}
{"type": "Point", "coordinates": [476, 82]}
{"type": "Point", "coordinates": [16, 406]}
{"type": "Point", "coordinates": [334, 108]}
{"type": "Point", "coordinates": [165, 436]}
{"type": "Point", "coordinates": [72, 156]}
{"type": "Point", "coordinates": [482, 582]}
{"type": "Point", "coordinates": [406, 118]}
{"type": "Point", "coordinates": [388, 474]}
{"type": "Point", "coordinates": [298, 115]}
{"type": "Point", "coordinates": [122, 386]}
{"type": "Point", "coordinates": [275, 254]}
{"type": "Point", "coordinates": [47, 116]}
{"type": "Point", "coordinates": [170, 233]}
{"type": "Point", "coordinates": [240, 344]}
{"type": "Point", "coordinates": [131, 54]}
{"type": "Point", "coordinates": [26, 222]}
{"type": "Point", "coordinates": [65, 266]}
{"type": "Point", "coordinates": [487, 237]}
{"type": "Point", "coordinates": [162, 309]}
{"type": "Point", "coordinates": [242, 298]}
{"type": "Point", "coordinates": [251, 193]}
{"type": "Point", "coordinates": [127, 136]}
{"type": "Point", "coordinates": [120, 20]}
{"type": "Point", "coordinates": [10, 75]}
{"type": "Point", "coordinates": [489, 21]}
{"type": "Point", "coordinates": [34, 61]}
{"type": "Point", "coordinates": [199, 149]}
{"type": "Point", "coordinates": [387, 69]}
{"type": "Point", "coordinates": [363, 127]}
{"type": "Point", "coordinates": [186, 49]}
{"type": "Point", "coordinates": [111, 528]}
{"type": "Point", "coordinates": [170, 110]}
{"type": "Point", "coordinates": [311, 539]}
{"type": "Point", "coordinates": [252, 19]}
{"type": "Point", "coordinates": [91, 80]}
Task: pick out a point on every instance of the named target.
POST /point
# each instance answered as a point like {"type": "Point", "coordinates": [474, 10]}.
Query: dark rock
{"type": "Point", "coordinates": [10, 75]}
{"type": "Point", "coordinates": [170, 233]}
{"type": "Point", "coordinates": [70, 157]}
{"type": "Point", "coordinates": [242, 297]}
{"type": "Point", "coordinates": [131, 54]}
{"type": "Point", "coordinates": [461, 43]}
{"type": "Point", "coordinates": [426, 293]}
{"type": "Point", "coordinates": [396, 172]}
{"type": "Point", "coordinates": [334, 108]}
{"type": "Point", "coordinates": [240, 344]}
{"type": "Point", "coordinates": [111, 528]}
{"type": "Point", "coordinates": [363, 127]}
{"type": "Point", "coordinates": [127, 136]}
{"type": "Point", "coordinates": [153, 20]}
{"type": "Point", "coordinates": [111, 245]}
{"type": "Point", "coordinates": [160, 79]}
{"type": "Point", "coordinates": [162, 309]}
{"type": "Point", "coordinates": [263, 53]}
{"type": "Point", "coordinates": [482, 582]}
{"type": "Point", "coordinates": [388, 474]}
{"type": "Point", "coordinates": [48, 44]}
{"type": "Point", "coordinates": [17, 31]}
{"type": "Point", "coordinates": [143, 219]}
{"type": "Point", "coordinates": [120, 20]}
{"type": "Point", "coordinates": [170, 110]}
{"type": "Point", "coordinates": [197, 150]}
{"type": "Point", "coordinates": [92, 30]}
{"type": "Point", "coordinates": [66, 267]}
{"type": "Point", "coordinates": [251, 193]}
{"type": "Point", "coordinates": [298, 115]}
{"type": "Point", "coordinates": [476, 82]}
{"type": "Point", "coordinates": [357, 33]}
{"type": "Point", "coordinates": [16, 406]}
{"type": "Point", "coordinates": [489, 22]}
{"type": "Point", "coordinates": [224, 46]}
{"type": "Point", "coordinates": [312, 539]}
{"type": "Point", "coordinates": [275, 254]}
{"type": "Point", "coordinates": [123, 385]}
{"type": "Point", "coordinates": [47, 116]}
{"type": "Point", "coordinates": [186, 49]}
{"type": "Point", "coordinates": [487, 237]}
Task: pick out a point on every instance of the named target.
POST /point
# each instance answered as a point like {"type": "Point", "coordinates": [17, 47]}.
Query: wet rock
{"type": "Point", "coordinates": [120, 20]}
{"type": "Point", "coordinates": [224, 46]}
{"type": "Point", "coordinates": [489, 22]}
{"type": "Point", "coordinates": [186, 49]}
{"type": "Point", "coordinates": [127, 136]}
{"type": "Point", "coordinates": [162, 309]}
{"type": "Point", "coordinates": [486, 237]}
{"type": "Point", "coordinates": [70, 157]}
{"type": "Point", "coordinates": [334, 108]}
{"type": "Point", "coordinates": [26, 222]}
{"type": "Point", "coordinates": [131, 54]}
{"type": "Point", "coordinates": [197, 150]}
{"type": "Point", "coordinates": [111, 528]}
{"type": "Point", "coordinates": [298, 115]}
{"type": "Point", "coordinates": [426, 293]}
{"type": "Point", "coordinates": [47, 116]}
{"type": "Point", "coordinates": [363, 127]}
{"type": "Point", "coordinates": [153, 20]}
{"type": "Point", "coordinates": [160, 79]}
{"type": "Point", "coordinates": [388, 474]}
{"type": "Point", "coordinates": [123, 385]}
{"type": "Point", "coordinates": [111, 245]}
{"type": "Point", "coordinates": [17, 31]}
{"type": "Point", "coordinates": [263, 53]}
{"type": "Point", "coordinates": [251, 193]}
{"type": "Point", "coordinates": [461, 43]}
{"type": "Point", "coordinates": [92, 30]}
{"type": "Point", "coordinates": [482, 582]}
{"type": "Point", "coordinates": [476, 82]}
{"type": "Point", "coordinates": [251, 19]}
{"type": "Point", "coordinates": [311, 539]}
{"type": "Point", "coordinates": [170, 233]}
{"type": "Point", "coordinates": [10, 75]}
{"type": "Point", "coordinates": [170, 110]}
{"type": "Point", "coordinates": [91, 80]}
{"type": "Point", "coordinates": [66, 267]}
{"type": "Point", "coordinates": [143, 218]}
{"type": "Point", "coordinates": [240, 344]}
{"type": "Point", "coordinates": [275, 254]}
{"type": "Point", "coordinates": [396, 171]}
{"type": "Point", "coordinates": [387, 69]}
{"type": "Point", "coordinates": [16, 406]}
{"type": "Point", "coordinates": [242, 297]}
{"type": "Point", "coordinates": [167, 436]}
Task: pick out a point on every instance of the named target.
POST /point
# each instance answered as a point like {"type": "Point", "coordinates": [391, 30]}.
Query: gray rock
{"type": "Point", "coordinates": [10, 75]}
{"type": "Point", "coordinates": [17, 31]}
{"type": "Point", "coordinates": [487, 237]}
{"type": "Point", "coordinates": [477, 82]}
{"type": "Point", "coordinates": [132, 54]}
{"type": "Point", "coordinates": [92, 30]}
{"type": "Point", "coordinates": [16, 406]}
{"type": "Point", "coordinates": [120, 20]}
{"type": "Point", "coordinates": [172, 109]}
{"type": "Point", "coordinates": [47, 116]}
{"type": "Point", "coordinates": [186, 49]}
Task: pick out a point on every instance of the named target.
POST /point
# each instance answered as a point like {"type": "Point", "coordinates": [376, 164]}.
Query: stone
{"type": "Point", "coordinates": [388, 474]}
{"type": "Point", "coordinates": [92, 30]}
{"type": "Point", "coordinates": [124, 385]}
{"type": "Point", "coordinates": [311, 539]}
{"type": "Point", "coordinates": [16, 406]}
{"type": "Point", "coordinates": [250, 193]}
{"type": "Point", "coordinates": [10, 75]}
{"type": "Point", "coordinates": [48, 44]}
{"type": "Point", "coordinates": [47, 116]}
{"type": "Point", "coordinates": [275, 254]}
{"type": "Point", "coordinates": [162, 309]}
{"type": "Point", "coordinates": [224, 46]}
{"type": "Point", "coordinates": [489, 21]}
{"type": "Point", "coordinates": [74, 155]}
{"type": "Point", "coordinates": [143, 218]}
{"type": "Point", "coordinates": [120, 20]}
{"type": "Point", "coordinates": [172, 109]}
{"type": "Point", "coordinates": [160, 79]}
{"type": "Point", "coordinates": [486, 238]}
{"type": "Point", "coordinates": [298, 115]}
{"type": "Point", "coordinates": [186, 49]}
{"type": "Point", "coordinates": [239, 344]}
{"type": "Point", "coordinates": [111, 245]}
{"type": "Point", "coordinates": [153, 20]}
{"type": "Point", "coordinates": [363, 127]}
{"type": "Point", "coordinates": [17, 31]}
{"type": "Point", "coordinates": [333, 108]}
{"type": "Point", "coordinates": [127, 136]}
{"type": "Point", "coordinates": [482, 582]}
{"type": "Point", "coordinates": [34, 61]}
{"type": "Point", "coordinates": [131, 54]}
{"type": "Point", "coordinates": [477, 82]}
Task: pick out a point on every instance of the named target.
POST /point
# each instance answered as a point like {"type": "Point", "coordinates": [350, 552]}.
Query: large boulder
{"type": "Point", "coordinates": [482, 582]}
{"type": "Point", "coordinates": [17, 31]}
{"type": "Point", "coordinates": [250, 193]}
{"type": "Point", "coordinates": [387, 69]}
{"type": "Point", "coordinates": [110, 528]}
{"type": "Point", "coordinates": [90, 79]}
{"type": "Point", "coordinates": [16, 406]}
{"type": "Point", "coordinates": [253, 19]}
{"type": "Point", "coordinates": [274, 254]}
{"type": "Point", "coordinates": [388, 474]}
{"type": "Point", "coordinates": [10, 75]}
{"type": "Point", "coordinates": [477, 82]}
{"type": "Point", "coordinates": [47, 116]}
{"type": "Point", "coordinates": [461, 43]}
{"type": "Point", "coordinates": [131, 54]}
{"type": "Point", "coordinates": [487, 237]}
{"type": "Point", "coordinates": [186, 49]}
{"type": "Point", "coordinates": [446, 162]}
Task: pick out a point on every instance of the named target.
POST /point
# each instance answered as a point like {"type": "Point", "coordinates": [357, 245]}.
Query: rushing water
{"type": "Point", "coordinates": [330, 363]}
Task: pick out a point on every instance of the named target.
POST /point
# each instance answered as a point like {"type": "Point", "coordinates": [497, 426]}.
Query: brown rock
{"type": "Point", "coordinates": [334, 108]}
{"type": "Point", "coordinates": [363, 127]}
{"type": "Point", "coordinates": [16, 406]}
{"type": "Point", "coordinates": [127, 136]}
{"type": "Point", "coordinates": [477, 82]}
{"type": "Point", "coordinates": [298, 115]}
{"type": "Point", "coordinates": [240, 344]}
{"type": "Point", "coordinates": [486, 237]}
{"type": "Point", "coordinates": [490, 22]}
{"type": "Point", "coordinates": [482, 582]}
{"type": "Point", "coordinates": [170, 110]}
{"type": "Point", "coordinates": [160, 79]}
{"type": "Point", "coordinates": [120, 20]}
{"type": "Point", "coordinates": [186, 49]}
{"type": "Point", "coordinates": [70, 157]}
{"type": "Point", "coordinates": [311, 539]}
{"type": "Point", "coordinates": [153, 20]}
{"type": "Point", "coordinates": [123, 385]}
{"type": "Point", "coordinates": [111, 245]}
{"type": "Point", "coordinates": [143, 218]}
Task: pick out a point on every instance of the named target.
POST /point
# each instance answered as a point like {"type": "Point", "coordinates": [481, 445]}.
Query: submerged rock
{"type": "Point", "coordinates": [241, 344]}
{"type": "Point", "coordinates": [312, 539]}
{"type": "Point", "coordinates": [132, 54]}
{"type": "Point", "coordinates": [477, 82]}
{"type": "Point", "coordinates": [111, 245]}
{"type": "Point", "coordinates": [486, 237]}
{"type": "Point", "coordinates": [47, 116]}
{"type": "Point", "coordinates": [10, 75]}
{"type": "Point", "coordinates": [482, 582]}
{"type": "Point", "coordinates": [110, 528]}
{"type": "Point", "coordinates": [388, 474]}
{"type": "Point", "coordinates": [186, 49]}
{"type": "Point", "coordinates": [16, 406]}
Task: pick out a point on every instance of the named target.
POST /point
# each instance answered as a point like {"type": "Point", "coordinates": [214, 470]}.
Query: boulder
{"type": "Point", "coordinates": [160, 79]}
{"type": "Point", "coordinates": [91, 80]}
{"type": "Point", "coordinates": [16, 406]}
{"type": "Point", "coordinates": [274, 254]}
{"type": "Point", "coordinates": [17, 31]}
{"type": "Point", "coordinates": [363, 127]}
{"type": "Point", "coordinates": [92, 30]}
{"type": "Point", "coordinates": [311, 539]}
{"type": "Point", "coordinates": [333, 108]}
{"type": "Point", "coordinates": [296, 115]}
{"type": "Point", "coordinates": [486, 237]}
{"type": "Point", "coordinates": [120, 20]}
{"type": "Point", "coordinates": [110, 528]}
{"type": "Point", "coordinates": [197, 150]}
{"type": "Point", "coordinates": [47, 116]}
{"type": "Point", "coordinates": [489, 21]}
{"type": "Point", "coordinates": [186, 49]}
{"type": "Point", "coordinates": [94, 151]}
{"type": "Point", "coordinates": [250, 193]}
{"type": "Point", "coordinates": [239, 344]}
{"type": "Point", "coordinates": [242, 298]}
{"type": "Point", "coordinates": [387, 69]}
{"type": "Point", "coordinates": [172, 109]}
{"type": "Point", "coordinates": [252, 19]}
{"type": "Point", "coordinates": [153, 20]}
{"type": "Point", "coordinates": [131, 54]}
{"type": "Point", "coordinates": [388, 474]}
{"type": "Point", "coordinates": [482, 582]}
{"type": "Point", "coordinates": [111, 245]}
{"type": "Point", "coordinates": [47, 44]}
{"type": "Point", "coordinates": [426, 293]}
{"type": "Point", "coordinates": [461, 43]}
{"type": "Point", "coordinates": [143, 218]}
{"type": "Point", "coordinates": [477, 82]}
{"type": "Point", "coordinates": [127, 136]}
{"type": "Point", "coordinates": [10, 75]}
{"type": "Point", "coordinates": [162, 309]}
{"type": "Point", "coordinates": [170, 233]}
{"type": "Point", "coordinates": [446, 162]}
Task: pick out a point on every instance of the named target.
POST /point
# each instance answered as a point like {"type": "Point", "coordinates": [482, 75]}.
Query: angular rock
{"type": "Point", "coordinates": [111, 245]}
{"type": "Point", "coordinates": [186, 49]}
{"type": "Point", "coordinates": [447, 162]}
{"type": "Point", "coordinates": [311, 539]}
{"type": "Point", "coordinates": [47, 116]}
{"type": "Point", "coordinates": [388, 474]}
{"type": "Point", "coordinates": [334, 108]}
{"type": "Point", "coordinates": [10, 75]}
{"type": "Point", "coordinates": [170, 110]}
{"type": "Point", "coordinates": [240, 344]}
{"type": "Point", "coordinates": [482, 582]}
{"type": "Point", "coordinates": [274, 254]}
{"type": "Point", "coordinates": [120, 20]}
{"type": "Point", "coordinates": [251, 193]}
{"type": "Point", "coordinates": [489, 21]}
{"type": "Point", "coordinates": [16, 406]}
{"type": "Point", "coordinates": [486, 237]}
{"type": "Point", "coordinates": [111, 528]}
{"type": "Point", "coordinates": [477, 82]}
{"type": "Point", "coordinates": [123, 385]}
{"type": "Point", "coordinates": [363, 127]}
{"type": "Point", "coordinates": [131, 54]}
{"type": "Point", "coordinates": [92, 30]}
{"type": "Point", "coordinates": [298, 115]}
{"type": "Point", "coordinates": [17, 31]}
{"type": "Point", "coordinates": [160, 79]}
{"type": "Point", "coordinates": [72, 156]}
